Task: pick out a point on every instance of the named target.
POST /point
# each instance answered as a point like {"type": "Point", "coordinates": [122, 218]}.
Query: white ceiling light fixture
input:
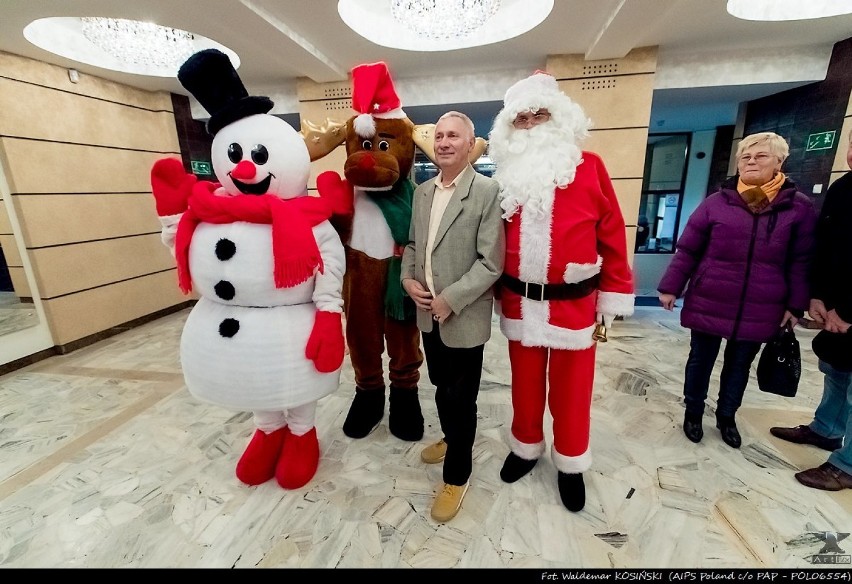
{"type": "Point", "coordinates": [127, 46]}
{"type": "Point", "coordinates": [443, 19]}
{"type": "Point", "coordinates": [442, 25]}
{"type": "Point", "coordinates": [781, 10]}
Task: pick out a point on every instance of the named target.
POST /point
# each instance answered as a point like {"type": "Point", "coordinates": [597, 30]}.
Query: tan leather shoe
{"type": "Point", "coordinates": [448, 502]}
{"type": "Point", "coordinates": [434, 453]}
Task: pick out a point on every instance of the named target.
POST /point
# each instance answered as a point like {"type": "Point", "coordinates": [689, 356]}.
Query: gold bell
{"type": "Point", "coordinates": [600, 333]}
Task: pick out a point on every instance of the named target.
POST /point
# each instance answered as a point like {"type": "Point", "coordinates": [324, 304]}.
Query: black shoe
{"type": "Point", "coordinates": [572, 491]}
{"type": "Point", "coordinates": [728, 427]}
{"type": "Point", "coordinates": [804, 435]}
{"type": "Point", "coordinates": [405, 419]}
{"type": "Point", "coordinates": [692, 427]}
{"type": "Point", "coordinates": [515, 467]}
{"type": "Point", "coordinates": [365, 413]}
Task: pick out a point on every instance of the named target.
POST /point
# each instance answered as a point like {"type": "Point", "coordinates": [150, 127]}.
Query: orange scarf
{"type": "Point", "coordinates": [295, 252]}
{"type": "Point", "coordinates": [758, 198]}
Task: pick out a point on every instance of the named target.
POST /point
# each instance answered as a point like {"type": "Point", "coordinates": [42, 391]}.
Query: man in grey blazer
{"type": "Point", "coordinates": [453, 258]}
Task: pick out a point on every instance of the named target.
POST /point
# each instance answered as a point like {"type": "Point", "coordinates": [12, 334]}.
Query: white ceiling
{"type": "Point", "coordinates": [281, 40]}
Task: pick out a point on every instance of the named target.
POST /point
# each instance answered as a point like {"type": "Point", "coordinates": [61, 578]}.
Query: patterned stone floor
{"type": "Point", "coordinates": [107, 461]}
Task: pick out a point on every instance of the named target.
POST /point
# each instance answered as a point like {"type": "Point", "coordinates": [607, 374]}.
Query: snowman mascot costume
{"type": "Point", "coordinates": [266, 334]}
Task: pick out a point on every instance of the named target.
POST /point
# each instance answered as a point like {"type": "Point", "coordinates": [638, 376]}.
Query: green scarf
{"type": "Point", "coordinates": [395, 205]}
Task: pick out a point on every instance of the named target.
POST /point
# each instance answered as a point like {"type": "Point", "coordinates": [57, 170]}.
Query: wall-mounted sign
{"type": "Point", "coordinates": [821, 141]}
{"type": "Point", "coordinates": [201, 167]}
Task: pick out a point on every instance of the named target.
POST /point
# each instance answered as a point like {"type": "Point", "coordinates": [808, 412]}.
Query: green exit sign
{"type": "Point", "coordinates": [201, 167]}
{"type": "Point", "coordinates": [821, 141]}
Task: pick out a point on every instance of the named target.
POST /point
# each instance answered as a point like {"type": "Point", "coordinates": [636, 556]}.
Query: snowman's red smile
{"type": "Point", "coordinates": [258, 188]}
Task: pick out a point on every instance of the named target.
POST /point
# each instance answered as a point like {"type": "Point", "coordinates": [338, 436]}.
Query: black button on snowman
{"type": "Point", "coordinates": [266, 333]}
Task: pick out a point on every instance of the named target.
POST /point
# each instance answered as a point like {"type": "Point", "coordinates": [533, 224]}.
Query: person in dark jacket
{"type": "Point", "coordinates": [831, 305]}
{"type": "Point", "coordinates": [745, 254]}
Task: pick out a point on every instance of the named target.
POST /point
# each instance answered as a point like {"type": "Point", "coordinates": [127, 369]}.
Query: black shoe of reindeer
{"type": "Point", "coordinates": [572, 491]}
{"type": "Point", "coordinates": [405, 419]}
{"type": "Point", "coordinates": [365, 413]}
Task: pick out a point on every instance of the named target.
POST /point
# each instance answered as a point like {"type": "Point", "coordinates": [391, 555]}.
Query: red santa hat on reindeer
{"type": "Point", "coordinates": [373, 96]}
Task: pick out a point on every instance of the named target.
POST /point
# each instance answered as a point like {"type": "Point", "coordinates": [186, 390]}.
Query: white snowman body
{"type": "Point", "coordinates": [243, 344]}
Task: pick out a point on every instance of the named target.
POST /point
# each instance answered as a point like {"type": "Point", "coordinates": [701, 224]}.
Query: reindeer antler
{"type": "Point", "coordinates": [424, 138]}
{"type": "Point", "coordinates": [321, 139]}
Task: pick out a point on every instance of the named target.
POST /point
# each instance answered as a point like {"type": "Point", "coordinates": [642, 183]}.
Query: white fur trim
{"type": "Point", "coordinates": [169, 230]}
{"type": "Point", "coordinates": [393, 114]}
{"type": "Point", "coordinates": [571, 464]}
{"type": "Point", "coordinates": [365, 126]}
{"type": "Point", "coordinates": [526, 451]}
{"type": "Point", "coordinates": [578, 272]}
{"type": "Point", "coordinates": [616, 303]}
{"type": "Point", "coordinates": [534, 330]}
{"type": "Point", "coordinates": [535, 246]}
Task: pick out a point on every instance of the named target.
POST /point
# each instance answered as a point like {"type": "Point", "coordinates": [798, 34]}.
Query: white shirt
{"type": "Point", "coordinates": [441, 199]}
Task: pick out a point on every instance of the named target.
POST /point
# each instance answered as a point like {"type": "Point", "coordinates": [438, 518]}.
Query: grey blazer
{"type": "Point", "coordinates": [467, 256]}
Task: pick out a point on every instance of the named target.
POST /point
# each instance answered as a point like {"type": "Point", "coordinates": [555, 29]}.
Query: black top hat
{"type": "Point", "coordinates": [211, 78]}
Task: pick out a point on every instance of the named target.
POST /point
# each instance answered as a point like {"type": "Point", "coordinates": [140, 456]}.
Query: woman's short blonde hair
{"type": "Point", "coordinates": [776, 144]}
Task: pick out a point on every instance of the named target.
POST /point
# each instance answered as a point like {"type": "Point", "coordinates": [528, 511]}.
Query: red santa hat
{"type": "Point", "coordinates": [373, 96]}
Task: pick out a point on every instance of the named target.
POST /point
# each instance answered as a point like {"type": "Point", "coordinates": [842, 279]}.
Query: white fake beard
{"type": "Point", "coordinates": [531, 164]}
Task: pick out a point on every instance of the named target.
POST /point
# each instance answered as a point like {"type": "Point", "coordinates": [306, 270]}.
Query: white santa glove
{"type": "Point", "coordinates": [606, 319]}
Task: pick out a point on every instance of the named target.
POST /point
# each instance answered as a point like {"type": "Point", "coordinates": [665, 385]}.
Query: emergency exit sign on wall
{"type": "Point", "coordinates": [820, 141]}
{"type": "Point", "coordinates": [201, 167]}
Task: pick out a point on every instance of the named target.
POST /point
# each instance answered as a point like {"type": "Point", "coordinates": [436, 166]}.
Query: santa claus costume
{"type": "Point", "coordinates": [566, 270]}
{"type": "Point", "coordinates": [266, 335]}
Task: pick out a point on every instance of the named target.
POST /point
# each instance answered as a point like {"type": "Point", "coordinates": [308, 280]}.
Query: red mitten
{"type": "Point", "coordinates": [171, 186]}
{"type": "Point", "coordinates": [339, 191]}
{"type": "Point", "coordinates": [325, 345]}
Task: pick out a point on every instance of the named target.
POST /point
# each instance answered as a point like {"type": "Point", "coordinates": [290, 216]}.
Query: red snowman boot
{"type": "Point", "coordinates": [257, 464]}
{"type": "Point", "coordinates": [299, 459]}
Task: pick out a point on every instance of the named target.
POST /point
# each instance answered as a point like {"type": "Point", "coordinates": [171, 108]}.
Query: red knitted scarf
{"type": "Point", "coordinates": [294, 250]}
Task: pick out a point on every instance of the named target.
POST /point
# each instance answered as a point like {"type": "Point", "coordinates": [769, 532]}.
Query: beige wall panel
{"type": "Point", "coordinates": [641, 60]}
{"type": "Point", "coordinates": [5, 225]}
{"type": "Point", "coordinates": [38, 73]}
{"type": "Point", "coordinates": [630, 232]}
{"type": "Point", "coordinates": [849, 106]}
{"type": "Point", "coordinates": [333, 161]}
{"type": "Point", "coordinates": [308, 90]}
{"type": "Point", "coordinates": [70, 268]}
{"type": "Point", "coordinates": [628, 192]}
{"type": "Point", "coordinates": [46, 167]}
{"type": "Point", "coordinates": [613, 102]}
{"type": "Point", "coordinates": [623, 151]}
{"type": "Point", "coordinates": [10, 250]}
{"type": "Point", "coordinates": [842, 140]}
{"type": "Point", "coordinates": [93, 121]}
{"type": "Point", "coordinates": [77, 316]}
{"type": "Point", "coordinates": [59, 219]}
{"type": "Point", "coordinates": [19, 282]}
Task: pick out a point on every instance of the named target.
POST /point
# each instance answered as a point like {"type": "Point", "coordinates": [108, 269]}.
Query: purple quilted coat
{"type": "Point", "coordinates": [743, 269]}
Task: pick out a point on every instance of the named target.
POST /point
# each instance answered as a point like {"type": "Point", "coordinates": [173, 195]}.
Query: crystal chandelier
{"type": "Point", "coordinates": [139, 43]}
{"type": "Point", "coordinates": [443, 19]}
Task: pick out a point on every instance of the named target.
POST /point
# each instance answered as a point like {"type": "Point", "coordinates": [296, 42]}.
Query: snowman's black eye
{"type": "Point", "coordinates": [235, 153]}
{"type": "Point", "coordinates": [259, 154]}
{"type": "Point", "coordinates": [367, 145]}
{"type": "Point", "coordinates": [383, 145]}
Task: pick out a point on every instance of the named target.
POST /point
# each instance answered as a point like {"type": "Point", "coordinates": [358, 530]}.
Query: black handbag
{"type": "Point", "coordinates": [780, 364]}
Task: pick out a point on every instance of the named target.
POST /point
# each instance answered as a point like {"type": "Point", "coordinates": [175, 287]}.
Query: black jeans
{"type": "Point", "coordinates": [736, 366]}
{"type": "Point", "coordinates": [455, 373]}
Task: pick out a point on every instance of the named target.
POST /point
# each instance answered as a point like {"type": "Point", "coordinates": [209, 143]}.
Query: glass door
{"type": "Point", "coordinates": [662, 193]}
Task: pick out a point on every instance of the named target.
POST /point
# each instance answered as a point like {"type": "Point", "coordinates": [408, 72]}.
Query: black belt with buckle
{"type": "Point", "coordinates": [543, 292]}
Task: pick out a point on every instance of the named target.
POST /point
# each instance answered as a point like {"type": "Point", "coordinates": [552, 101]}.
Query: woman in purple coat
{"type": "Point", "coordinates": [745, 254]}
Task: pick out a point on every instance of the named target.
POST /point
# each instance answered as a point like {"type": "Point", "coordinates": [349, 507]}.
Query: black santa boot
{"type": "Point", "coordinates": [365, 413]}
{"type": "Point", "coordinates": [405, 419]}
{"type": "Point", "coordinates": [572, 490]}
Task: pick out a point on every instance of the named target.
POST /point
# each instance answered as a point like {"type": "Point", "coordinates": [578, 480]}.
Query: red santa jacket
{"type": "Point", "coordinates": [583, 236]}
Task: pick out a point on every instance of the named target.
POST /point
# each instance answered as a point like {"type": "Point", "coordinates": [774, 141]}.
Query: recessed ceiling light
{"type": "Point", "coordinates": [775, 10]}
{"type": "Point", "coordinates": [442, 25]}
{"type": "Point", "coordinates": [128, 46]}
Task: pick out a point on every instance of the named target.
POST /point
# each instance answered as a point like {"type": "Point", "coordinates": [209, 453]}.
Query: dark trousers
{"type": "Point", "coordinates": [736, 366]}
{"type": "Point", "coordinates": [455, 373]}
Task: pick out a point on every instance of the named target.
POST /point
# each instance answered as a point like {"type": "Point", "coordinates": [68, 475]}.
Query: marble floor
{"type": "Point", "coordinates": [106, 461]}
